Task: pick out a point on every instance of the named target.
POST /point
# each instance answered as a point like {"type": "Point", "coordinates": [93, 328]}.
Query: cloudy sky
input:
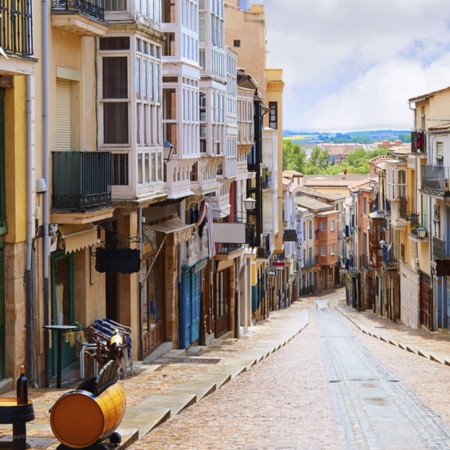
{"type": "Point", "coordinates": [353, 64]}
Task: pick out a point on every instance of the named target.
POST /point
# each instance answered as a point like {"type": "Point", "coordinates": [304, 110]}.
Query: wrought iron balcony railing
{"type": "Point", "coordinates": [16, 27]}
{"type": "Point", "coordinates": [81, 180]}
{"type": "Point", "coordinates": [94, 9]}
{"type": "Point", "coordinates": [441, 249]}
{"type": "Point", "coordinates": [434, 179]}
{"type": "Point", "coordinates": [363, 262]}
{"type": "Point", "coordinates": [388, 256]}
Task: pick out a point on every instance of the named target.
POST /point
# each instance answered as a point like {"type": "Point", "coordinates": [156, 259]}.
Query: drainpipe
{"type": "Point", "coordinates": [141, 248]}
{"type": "Point", "coordinates": [45, 246]}
{"type": "Point", "coordinates": [29, 243]}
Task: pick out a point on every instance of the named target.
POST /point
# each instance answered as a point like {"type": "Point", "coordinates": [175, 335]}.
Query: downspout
{"type": "Point", "coordinates": [45, 244]}
{"type": "Point", "coordinates": [140, 286]}
{"type": "Point", "coordinates": [29, 244]}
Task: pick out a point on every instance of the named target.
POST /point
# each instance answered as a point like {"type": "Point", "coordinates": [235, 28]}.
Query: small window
{"type": "Point", "coordinates": [323, 250]}
{"type": "Point", "coordinates": [119, 169]}
{"type": "Point", "coordinates": [332, 224]}
{"type": "Point", "coordinates": [323, 225]}
{"type": "Point", "coordinates": [273, 115]}
{"type": "Point", "coordinates": [237, 43]}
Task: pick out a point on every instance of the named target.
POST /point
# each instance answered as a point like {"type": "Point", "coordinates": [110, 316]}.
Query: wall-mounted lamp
{"type": "Point", "coordinates": [41, 186]}
{"type": "Point", "coordinates": [169, 150]}
{"type": "Point", "coordinates": [421, 232]}
{"type": "Point", "coordinates": [249, 204]}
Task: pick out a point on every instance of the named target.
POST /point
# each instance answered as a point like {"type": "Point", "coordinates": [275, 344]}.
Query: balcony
{"type": "Point", "coordinates": [389, 261]}
{"type": "Point", "coordinates": [83, 17]}
{"type": "Point", "coordinates": [404, 208]}
{"type": "Point", "coordinates": [195, 249]}
{"type": "Point", "coordinates": [441, 249]}
{"type": "Point", "coordinates": [310, 262]}
{"type": "Point", "coordinates": [16, 27]}
{"type": "Point", "coordinates": [81, 181]}
{"type": "Point", "coordinates": [363, 262]}
{"type": "Point", "coordinates": [435, 180]}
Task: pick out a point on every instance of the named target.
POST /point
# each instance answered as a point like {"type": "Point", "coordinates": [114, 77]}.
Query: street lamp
{"type": "Point", "coordinates": [168, 149]}
{"type": "Point", "coordinates": [249, 204]}
{"type": "Point", "coordinates": [421, 232]}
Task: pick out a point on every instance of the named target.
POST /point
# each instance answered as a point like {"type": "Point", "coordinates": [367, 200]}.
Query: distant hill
{"type": "Point", "coordinates": [356, 137]}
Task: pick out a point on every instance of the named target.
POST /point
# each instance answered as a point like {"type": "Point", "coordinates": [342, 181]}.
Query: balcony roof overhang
{"type": "Point", "coordinates": [80, 218]}
{"type": "Point", "coordinates": [77, 23]}
{"type": "Point", "coordinates": [15, 65]}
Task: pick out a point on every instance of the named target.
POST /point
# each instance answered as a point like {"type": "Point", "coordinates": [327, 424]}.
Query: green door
{"type": "Point", "coordinates": [3, 230]}
{"type": "Point", "coordinates": [2, 309]}
{"type": "Point", "coordinates": [62, 306]}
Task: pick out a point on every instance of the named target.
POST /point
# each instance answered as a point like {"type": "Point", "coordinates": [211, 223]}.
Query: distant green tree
{"type": "Point", "coordinates": [319, 158]}
{"type": "Point", "coordinates": [293, 156]}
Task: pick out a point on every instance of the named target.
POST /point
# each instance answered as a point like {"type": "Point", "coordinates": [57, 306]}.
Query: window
{"type": "Point", "coordinates": [169, 45]}
{"type": "Point", "coordinates": [115, 100]}
{"type": "Point", "coordinates": [168, 11]}
{"type": "Point", "coordinates": [323, 225]}
{"type": "Point", "coordinates": [332, 225]}
{"type": "Point", "coordinates": [119, 169]}
{"type": "Point", "coordinates": [332, 249]}
{"type": "Point", "coordinates": [236, 43]}
{"type": "Point", "coordinates": [273, 115]}
{"type": "Point", "coordinates": [402, 183]}
{"type": "Point", "coordinates": [439, 154]}
{"type": "Point", "coordinates": [323, 250]}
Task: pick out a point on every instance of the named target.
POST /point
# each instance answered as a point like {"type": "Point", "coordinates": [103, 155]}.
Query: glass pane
{"type": "Point", "coordinates": [115, 77]}
{"type": "Point", "coordinates": [115, 123]}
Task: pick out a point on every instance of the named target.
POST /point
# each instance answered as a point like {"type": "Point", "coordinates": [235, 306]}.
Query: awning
{"type": "Point", "coordinates": [77, 237]}
{"type": "Point", "coordinates": [182, 232]}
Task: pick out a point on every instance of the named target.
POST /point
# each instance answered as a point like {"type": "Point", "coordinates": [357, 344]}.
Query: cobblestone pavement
{"type": "Point", "coordinates": [283, 402]}
{"type": "Point", "coordinates": [286, 402]}
{"type": "Point", "coordinates": [276, 399]}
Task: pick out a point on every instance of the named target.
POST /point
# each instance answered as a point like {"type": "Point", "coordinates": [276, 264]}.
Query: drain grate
{"type": "Point", "coordinates": [393, 381]}
{"type": "Point", "coordinates": [335, 381]}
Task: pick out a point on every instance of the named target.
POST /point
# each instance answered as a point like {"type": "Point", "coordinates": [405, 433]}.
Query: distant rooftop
{"type": "Point", "coordinates": [313, 204]}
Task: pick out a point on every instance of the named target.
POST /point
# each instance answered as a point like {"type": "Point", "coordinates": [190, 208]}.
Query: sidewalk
{"type": "Point", "coordinates": [432, 345]}
{"type": "Point", "coordinates": [180, 378]}
{"type": "Point", "coordinates": [176, 380]}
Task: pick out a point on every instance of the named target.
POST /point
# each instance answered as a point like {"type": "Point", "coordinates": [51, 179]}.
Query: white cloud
{"type": "Point", "coordinates": [352, 64]}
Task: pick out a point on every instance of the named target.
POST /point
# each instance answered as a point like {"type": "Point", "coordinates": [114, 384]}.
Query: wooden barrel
{"type": "Point", "coordinates": [79, 419]}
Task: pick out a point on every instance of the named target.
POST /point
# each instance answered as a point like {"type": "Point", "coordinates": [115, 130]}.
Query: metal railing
{"type": "Point", "coordinates": [95, 9]}
{"type": "Point", "coordinates": [441, 249]}
{"type": "Point", "coordinates": [434, 179]}
{"type": "Point", "coordinates": [363, 262]}
{"type": "Point", "coordinates": [16, 26]}
{"type": "Point", "coordinates": [81, 180]}
{"type": "Point", "coordinates": [388, 256]}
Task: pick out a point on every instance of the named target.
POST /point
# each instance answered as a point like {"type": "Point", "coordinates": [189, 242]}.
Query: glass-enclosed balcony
{"type": "Point", "coordinates": [81, 180]}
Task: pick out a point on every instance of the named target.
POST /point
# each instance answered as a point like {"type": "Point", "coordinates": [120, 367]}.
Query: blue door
{"type": "Point", "coordinates": [195, 327]}
{"type": "Point", "coordinates": [190, 307]}
{"type": "Point", "coordinates": [185, 325]}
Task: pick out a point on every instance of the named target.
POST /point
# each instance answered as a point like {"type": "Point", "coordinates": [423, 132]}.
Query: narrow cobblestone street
{"type": "Point", "coordinates": [286, 402]}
